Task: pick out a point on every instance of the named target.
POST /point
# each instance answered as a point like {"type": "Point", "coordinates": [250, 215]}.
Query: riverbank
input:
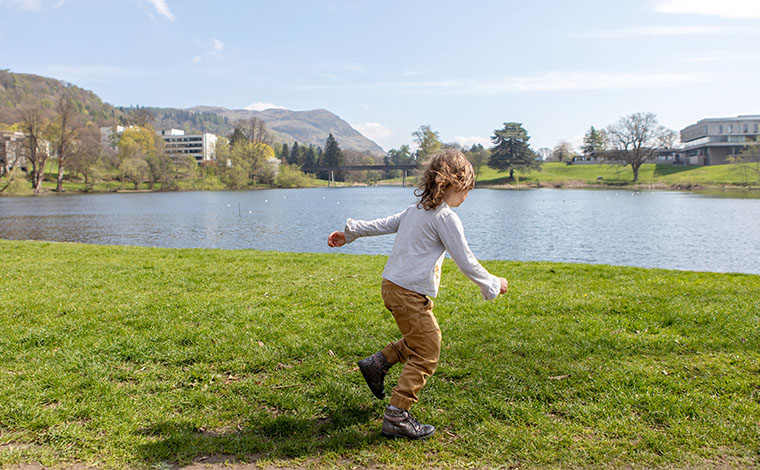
{"type": "Point", "coordinates": [742, 179]}
{"type": "Point", "coordinates": [144, 357]}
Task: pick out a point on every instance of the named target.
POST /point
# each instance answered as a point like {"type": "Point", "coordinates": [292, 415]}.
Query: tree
{"type": "Point", "coordinates": [34, 123]}
{"type": "Point", "coordinates": [284, 153]}
{"type": "Point", "coordinates": [544, 153]}
{"type": "Point", "coordinates": [310, 160]}
{"type": "Point", "coordinates": [140, 117]}
{"type": "Point", "coordinates": [478, 156]}
{"type": "Point", "coordinates": [428, 142]}
{"type": "Point", "coordinates": [401, 156]}
{"type": "Point", "coordinates": [162, 168]}
{"type": "Point", "coordinates": [594, 141]}
{"type": "Point", "coordinates": [511, 150]}
{"type": "Point", "coordinates": [133, 169]}
{"type": "Point", "coordinates": [65, 128]}
{"type": "Point", "coordinates": [86, 152]}
{"type": "Point", "coordinates": [141, 156]}
{"type": "Point", "coordinates": [253, 132]}
{"type": "Point", "coordinates": [333, 157]}
{"type": "Point", "coordinates": [746, 163]}
{"type": "Point", "coordinates": [295, 154]}
{"type": "Point", "coordinates": [564, 152]}
{"type": "Point", "coordinates": [636, 138]}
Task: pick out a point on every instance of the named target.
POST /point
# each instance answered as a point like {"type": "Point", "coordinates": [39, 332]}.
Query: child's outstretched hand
{"type": "Point", "coordinates": [336, 239]}
{"type": "Point", "coordinates": [504, 286]}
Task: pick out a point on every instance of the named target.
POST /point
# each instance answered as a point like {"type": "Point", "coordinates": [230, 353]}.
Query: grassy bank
{"type": "Point", "coordinates": [554, 173]}
{"type": "Point", "coordinates": [145, 357]}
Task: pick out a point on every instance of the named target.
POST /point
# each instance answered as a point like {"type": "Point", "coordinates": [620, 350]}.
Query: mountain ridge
{"type": "Point", "coordinates": [310, 127]}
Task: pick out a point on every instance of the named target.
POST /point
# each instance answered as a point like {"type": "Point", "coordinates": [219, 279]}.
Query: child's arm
{"type": "Point", "coordinates": [452, 236]}
{"type": "Point", "coordinates": [364, 228]}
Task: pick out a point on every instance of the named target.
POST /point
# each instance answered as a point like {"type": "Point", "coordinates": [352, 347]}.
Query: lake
{"type": "Point", "coordinates": [673, 230]}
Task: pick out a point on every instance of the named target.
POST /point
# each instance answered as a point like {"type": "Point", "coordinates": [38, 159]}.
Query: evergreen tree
{"type": "Point", "coordinates": [333, 156]}
{"type": "Point", "coordinates": [285, 153]}
{"type": "Point", "coordinates": [511, 150]}
{"type": "Point", "coordinates": [294, 154]}
{"type": "Point", "coordinates": [310, 161]}
{"type": "Point", "coordinates": [594, 141]}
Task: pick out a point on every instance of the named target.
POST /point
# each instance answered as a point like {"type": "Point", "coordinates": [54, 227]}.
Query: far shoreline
{"type": "Point", "coordinates": [700, 188]}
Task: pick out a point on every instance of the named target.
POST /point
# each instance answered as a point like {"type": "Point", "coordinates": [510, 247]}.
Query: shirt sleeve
{"type": "Point", "coordinates": [452, 236]}
{"type": "Point", "coordinates": [367, 228]}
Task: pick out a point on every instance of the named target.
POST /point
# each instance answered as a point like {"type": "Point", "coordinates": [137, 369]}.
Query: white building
{"type": "Point", "coordinates": [202, 147]}
{"type": "Point", "coordinates": [11, 150]}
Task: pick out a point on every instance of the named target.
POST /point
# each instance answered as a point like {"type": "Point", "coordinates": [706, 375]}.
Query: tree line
{"type": "Point", "coordinates": [632, 140]}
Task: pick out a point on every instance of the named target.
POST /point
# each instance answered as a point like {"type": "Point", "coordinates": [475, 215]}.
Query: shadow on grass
{"type": "Point", "coordinates": [264, 435]}
{"type": "Point", "coordinates": [665, 170]}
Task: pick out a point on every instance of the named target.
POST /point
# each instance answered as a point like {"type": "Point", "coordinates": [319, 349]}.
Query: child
{"type": "Point", "coordinates": [425, 231]}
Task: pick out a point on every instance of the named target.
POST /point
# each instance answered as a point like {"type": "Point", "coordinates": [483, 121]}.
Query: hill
{"type": "Point", "coordinates": [18, 88]}
{"type": "Point", "coordinates": [306, 127]}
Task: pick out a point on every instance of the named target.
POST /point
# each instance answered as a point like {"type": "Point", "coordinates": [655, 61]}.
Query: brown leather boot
{"type": "Point", "coordinates": [374, 369]}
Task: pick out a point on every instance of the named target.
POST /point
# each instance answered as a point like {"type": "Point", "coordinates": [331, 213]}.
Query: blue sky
{"type": "Point", "coordinates": [462, 67]}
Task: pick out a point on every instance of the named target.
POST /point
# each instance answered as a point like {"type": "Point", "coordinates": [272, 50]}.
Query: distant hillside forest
{"type": "Point", "coordinates": [186, 120]}
{"type": "Point", "coordinates": [19, 88]}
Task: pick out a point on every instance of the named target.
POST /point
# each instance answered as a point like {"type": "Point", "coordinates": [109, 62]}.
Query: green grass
{"type": "Point", "coordinates": [146, 357]}
{"type": "Point", "coordinates": [560, 173]}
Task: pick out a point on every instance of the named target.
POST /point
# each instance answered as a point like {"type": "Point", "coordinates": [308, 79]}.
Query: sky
{"type": "Point", "coordinates": [462, 67]}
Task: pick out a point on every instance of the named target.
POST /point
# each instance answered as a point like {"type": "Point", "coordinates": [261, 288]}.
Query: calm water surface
{"type": "Point", "coordinates": [649, 229]}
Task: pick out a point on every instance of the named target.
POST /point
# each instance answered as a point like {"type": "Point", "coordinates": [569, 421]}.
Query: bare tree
{"type": "Point", "coordinates": [66, 125]}
{"type": "Point", "coordinates": [564, 152]}
{"type": "Point", "coordinates": [34, 122]}
{"type": "Point", "coordinates": [636, 139]}
{"type": "Point", "coordinates": [86, 153]}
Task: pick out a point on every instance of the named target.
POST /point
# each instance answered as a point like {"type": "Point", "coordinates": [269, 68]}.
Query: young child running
{"type": "Point", "coordinates": [425, 231]}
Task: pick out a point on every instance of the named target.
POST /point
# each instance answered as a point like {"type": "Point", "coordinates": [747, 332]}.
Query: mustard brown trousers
{"type": "Point", "coordinates": [420, 345]}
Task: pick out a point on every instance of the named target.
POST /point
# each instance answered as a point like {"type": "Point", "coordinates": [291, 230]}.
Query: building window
{"type": "Point", "coordinates": [720, 128]}
{"type": "Point", "coordinates": [755, 128]}
{"type": "Point", "coordinates": [730, 128]}
{"type": "Point", "coordinates": [704, 130]}
{"type": "Point", "coordinates": [745, 128]}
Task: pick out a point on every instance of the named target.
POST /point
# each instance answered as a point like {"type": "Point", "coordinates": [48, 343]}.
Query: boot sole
{"type": "Point", "coordinates": [381, 394]}
{"type": "Point", "coordinates": [398, 436]}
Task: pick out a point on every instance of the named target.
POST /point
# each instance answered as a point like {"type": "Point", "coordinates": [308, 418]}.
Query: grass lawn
{"type": "Point", "coordinates": [147, 357]}
{"type": "Point", "coordinates": [555, 172]}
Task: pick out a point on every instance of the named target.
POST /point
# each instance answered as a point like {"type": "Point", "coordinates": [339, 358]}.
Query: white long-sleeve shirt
{"type": "Point", "coordinates": [423, 237]}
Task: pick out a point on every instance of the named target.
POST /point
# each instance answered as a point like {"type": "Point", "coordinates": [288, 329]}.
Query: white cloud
{"type": "Point", "coordinates": [217, 45]}
{"type": "Point", "coordinates": [197, 59]}
{"type": "Point", "coordinates": [659, 31]}
{"type": "Point", "coordinates": [373, 130]}
{"type": "Point", "coordinates": [467, 142]}
{"type": "Point", "coordinates": [162, 8]}
{"type": "Point", "coordinates": [723, 8]}
{"type": "Point", "coordinates": [261, 106]}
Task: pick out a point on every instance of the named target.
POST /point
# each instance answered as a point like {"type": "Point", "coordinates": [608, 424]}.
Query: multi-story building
{"type": "Point", "coordinates": [11, 151]}
{"type": "Point", "coordinates": [199, 146]}
{"type": "Point", "coordinates": [712, 141]}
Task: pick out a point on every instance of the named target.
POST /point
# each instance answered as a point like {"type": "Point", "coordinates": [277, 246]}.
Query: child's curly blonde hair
{"type": "Point", "coordinates": [447, 168]}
